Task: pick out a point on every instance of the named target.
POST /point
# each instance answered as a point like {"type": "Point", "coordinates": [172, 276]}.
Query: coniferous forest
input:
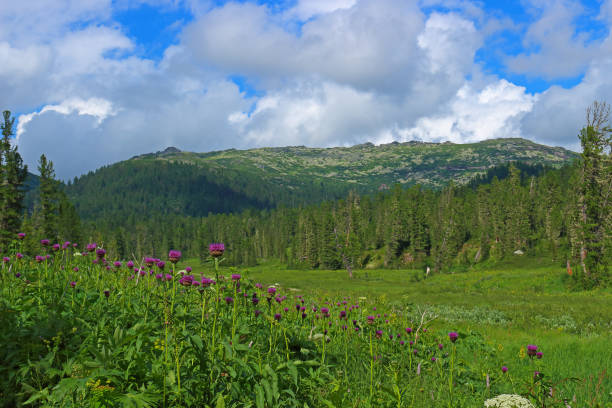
{"type": "Point", "coordinates": [515, 208]}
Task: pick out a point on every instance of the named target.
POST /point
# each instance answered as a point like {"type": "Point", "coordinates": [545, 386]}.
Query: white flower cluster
{"type": "Point", "coordinates": [508, 401]}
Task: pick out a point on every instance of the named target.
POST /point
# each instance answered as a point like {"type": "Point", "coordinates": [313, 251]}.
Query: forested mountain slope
{"type": "Point", "coordinates": [196, 184]}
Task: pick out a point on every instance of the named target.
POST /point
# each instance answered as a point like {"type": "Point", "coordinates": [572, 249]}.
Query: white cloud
{"type": "Point", "coordinates": [475, 115]}
{"type": "Point", "coordinates": [334, 72]}
{"type": "Point", "coordinates": [305, 9]}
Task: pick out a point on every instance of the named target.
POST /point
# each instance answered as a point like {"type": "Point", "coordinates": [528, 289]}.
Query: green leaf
{"type": "Point", "coordinates": [259, 396]}
{"type": "Point", "coordinates": [220, 402]}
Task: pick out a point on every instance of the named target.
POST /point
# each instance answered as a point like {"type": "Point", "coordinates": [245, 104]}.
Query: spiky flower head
{"type": "Point", "coordinates": [453, 336]}
{"type": "Point", "coordinates": [44, 242]}
{"type": "Point", "coordinates": [21, 235]}
{"type": "Point", "coordinates": [216, 249]}
{"type": "Point", "coordinates": [174, 256]}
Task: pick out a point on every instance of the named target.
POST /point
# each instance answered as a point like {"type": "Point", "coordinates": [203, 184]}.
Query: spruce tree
{"type": "Point", "coordinates": [49, 198]}
{"type": "Point", "coordinates": [13, 174]}
{"type": "Point", "coordinates": [594, 194]}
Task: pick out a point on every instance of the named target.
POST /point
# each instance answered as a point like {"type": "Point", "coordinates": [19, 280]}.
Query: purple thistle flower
{"type": "Point", "coordinates": [159, 276]}
{"type": "Point", "coordinates": [236, 277]}
{"type": "Point", "coordinates": [17, 275]}
{"type": "Point", "coordinates": [343, 314]}
{"type": "Point", "coordinates": [44, 242]}
{"type": "Point", "coordinates": [72, 284]}
{"type": "Point", "coordinates": [277, 317]}
{"type": "Point", "coordinates": [107, 293]}
{"type": "Point", "coordinates": [188, 269]}
{"type": "Point", "coordinates": [371, 319]}
{"type": "Point", "coordinates": [257, 312]}
{"type": "Point", "coordinates": [453, 336]}
{"type": "Point", "coordinates": [229, 300]}
{"type": "Point", "coordinates": [130, 264]}
{"type": "Point", "coordinates": [174, 256]}
{"type": "Point", "coordinates": [161, 265]}
{"type": "Point", "coordinates": [6, 259]}
{"type": "Point", "coordinates": [18, 255]}
{"type": "Point", "coordinates": [401, 342]}
{"type": "Point", "coordinates": [440, 346]}
{"type": "Point", "coordinates": [117, 264]}
{"type": "Point", "coordinates": [39, 258]}
{"type": "Point", "coordinates": [21, 235]}
{"type": "Point", "coordinates": [149, 261]}
{"type": "Point", "coordinates": [255, 301]}
{"type": "Point", "coordinates": [539, 355]}
{"type": "Point", "coordinates": [100, 252]}
{"type": "Point", "coordinates": [168, 277]}
{"type": "Point", "coordinates": [531, 350]}
{"type": "Point", "coordinates": [76, 269]}
{"type": "Point", "coordinates": [379, 334]}
{"type": "Point", "coordinates": [408, 330]}
{"type": "Point", "coordinates": [504, 369]}
{"type": "Point", "coordinates": [195, 283]}
{"type": "Point", "coordinates": [258, 285]}
{"type": "Point", "coordinates": [91, 247]}
{"type": "Point", "coordinates": [56, 247]}
{"type": "Point", "coordinates": [271, 290]}
{"type": "Point", "coordinates": [74, 245]}
{"type": "Point", "coordinates": [216, 250]}
{"type": "Point", "coordinates": [433, 359]}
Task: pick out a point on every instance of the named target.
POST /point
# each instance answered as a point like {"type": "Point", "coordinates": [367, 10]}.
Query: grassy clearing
{"type": "Point", "coordinates": [510, 305]}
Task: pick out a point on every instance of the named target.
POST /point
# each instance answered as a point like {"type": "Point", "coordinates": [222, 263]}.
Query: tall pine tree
{"type": "Point", "coordinates": [12, 177]}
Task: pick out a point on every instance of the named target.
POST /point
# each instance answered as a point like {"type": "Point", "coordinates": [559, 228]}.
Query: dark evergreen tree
{"type": "Point", "coordinates": [13, 174]}
{"type": "Point", "coordinates": [49, 198]}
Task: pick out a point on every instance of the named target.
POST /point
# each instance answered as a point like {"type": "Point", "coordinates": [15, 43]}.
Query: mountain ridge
{"type": "Point", "coordinates": [176, 181]}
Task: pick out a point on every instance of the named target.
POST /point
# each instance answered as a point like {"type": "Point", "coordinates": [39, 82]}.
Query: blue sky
{"type": "Point", "coordinates": [98, 81]}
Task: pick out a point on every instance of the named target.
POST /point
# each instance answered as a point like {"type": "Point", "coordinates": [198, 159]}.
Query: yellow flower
{"type": "Point", "coordinates": [522, 352]}
{"type": "Point", "coordinates": [500, 347]}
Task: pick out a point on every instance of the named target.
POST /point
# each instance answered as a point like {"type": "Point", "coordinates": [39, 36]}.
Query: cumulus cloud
{"type": "Point", "coordinates": [334, 72]}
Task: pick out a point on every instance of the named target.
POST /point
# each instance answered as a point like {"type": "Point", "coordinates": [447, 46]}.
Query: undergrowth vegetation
{"type": "Point", "coordinates": [83, 331]}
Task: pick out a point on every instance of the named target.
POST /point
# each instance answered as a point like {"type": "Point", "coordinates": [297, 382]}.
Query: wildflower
{"type": "Point", "coordinates": [257, 312]}
{"type": "Point", "coordinates": [440, 346]}
{"type": "Point", "coordinates": [379, 334]}
{"type": "Point", "coordinates": [18, 255]}
{"type": "Point", "coordinates": [39, 258]}
{"type": "Point", "coordinates": [531, 350]}
{"type": "Point", "coordinates": [277, 317]}
{"type": "Point", "coordinates": [539, 355]}
{"type": "Point", "coordinates": [130, 264]}
{"type": "Point", "coordinates": [370, 319]}
{"type": "Point", "coordinates": [168, 277]}
{"type": "Point", "coordinates": [44, 242]}
{"type": "Point", "coordinates": [91, 247]}
{"type": "Point", "coordinates": [161, 264]}
{"type": "Point", "coordinates": [453, 336]}
{"type": "Point", "coordinates": [107, 293]}
{"type": "Point", "coordinates": [504, 369]}
{"type": "Point", "coordinates": [6, 259]}
{"type": "Point", "coordinates": [72, 284]}
{"type": "Point", "coordinates": [271, 290]}
{"type": "Point", "coordinates": [117, 264]}
{"type": "Point", "coordinates": [258, 285]}
{"type": "Point", "coordinates": [236, 277]}
{"type": "Point", "coordinates": [216, 250]}
{"type": "Point", "coordinates": [17, 275]}
{"type": "Point", "coordinates": [188, 269]}
{"type": "Point", "coordinates": [325, 311]}
{"type": "Point", "coordinates": [159, 276]}
{"type": "Point", "coordinates": [174, 256]}
{"type": "Point", "coordinates": [408, 330]}
{"type": "Point", "coordinates": [100, 252]}
{"type": "Point", "coordinates": [229, 300]}
{"type": "Point", "coordinates": [75, 245]}
{"type": "Point", "coordinates": [149, 261]}
{"type": "Point", "coordinates": [76, 269]}
{"type": "Point", "coordinates": [65, 245]}
{"type": "Point", "coordinates": [343, 314]}
{"type": "Point", "coordinates": [508, 400]}
{"type": "Point", "coordinates": [304, 315]}
{"type": "Point", "coordinates": [402, 342]}
{"type": "Point", "coordinates": [255, 300]}
{"type": "Point", "coordinates": [433, 359]}
{"type": "Point", "coordinates": [21, 235]}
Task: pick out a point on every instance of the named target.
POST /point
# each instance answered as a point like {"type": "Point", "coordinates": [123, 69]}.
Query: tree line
{"type": "Point", "coordinates": [513, 210]}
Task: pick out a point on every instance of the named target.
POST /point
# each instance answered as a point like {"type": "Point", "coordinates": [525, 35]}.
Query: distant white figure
{"type": "Point", "coordinates": [427, 273]}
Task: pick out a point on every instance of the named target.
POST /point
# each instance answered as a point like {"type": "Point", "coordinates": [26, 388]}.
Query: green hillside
{"type": "Point", "coordinates": [195, 184]}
